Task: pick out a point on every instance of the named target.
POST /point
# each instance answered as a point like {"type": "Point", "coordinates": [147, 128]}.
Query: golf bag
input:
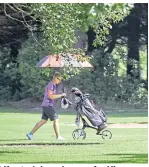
{"type": "Point", "coordinates": [83, 106]}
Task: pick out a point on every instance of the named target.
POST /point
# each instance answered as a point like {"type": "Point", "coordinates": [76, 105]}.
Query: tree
{"type": "Point", "coordinates": [133, 42]}
{"type": "Point", "coordinates": [131, 32]}
{"type": "Point", "coordinates": [60, 22]}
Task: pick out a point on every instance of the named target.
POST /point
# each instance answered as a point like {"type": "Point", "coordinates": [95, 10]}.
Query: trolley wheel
{"type": "Point", "coordinates": [79, 134]}
{"type": "Point", "coordinates": [106, 134]}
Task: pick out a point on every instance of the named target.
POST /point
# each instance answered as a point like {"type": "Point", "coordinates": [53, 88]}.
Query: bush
{"type": "Point", "coordinates": [104, 83]}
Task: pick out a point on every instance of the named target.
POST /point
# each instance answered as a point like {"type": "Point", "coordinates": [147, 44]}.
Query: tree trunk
{"type": "Point", "coordinates": [133, 59]}
{"type": "Point", "coordinates": [112, 44]}
{"type": "Point", "coordinates": [91, 37]}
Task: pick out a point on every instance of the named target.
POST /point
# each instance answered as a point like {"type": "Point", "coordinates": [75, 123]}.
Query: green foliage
{"type": "Point", "coordinates": [105, 84]}
{"type": "Point", "coordinates": [60, 22]}
{"type": "Point", "coordinates": [8, 74]}
{"type": "Point", "coordinates": [143, 63]}
{"type": "Point", "coordinates": [33, 78]}
{"type": "Point", "coordinates": [103, 16]}
{"type": "Point", "coordinates": [5, 93]}
{"type": "Point", "coordinates": [120, 54]}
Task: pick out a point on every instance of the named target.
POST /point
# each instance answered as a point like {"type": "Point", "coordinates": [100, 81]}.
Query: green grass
{"type": "Point", "coordinates": [126, 146]}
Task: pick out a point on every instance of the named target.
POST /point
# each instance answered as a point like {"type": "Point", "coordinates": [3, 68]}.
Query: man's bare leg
{"type": "Point", "coordinates": [38, 125]}
{"type": "Point", "coordinates": [56, 127]}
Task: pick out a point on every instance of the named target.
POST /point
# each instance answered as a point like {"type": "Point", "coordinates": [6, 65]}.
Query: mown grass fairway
{"type": "Point", "coordinates": [128, 145]}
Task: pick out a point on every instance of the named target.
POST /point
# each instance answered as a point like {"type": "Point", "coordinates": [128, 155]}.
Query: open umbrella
{"type": "Point", "coordinates": [63, 60]}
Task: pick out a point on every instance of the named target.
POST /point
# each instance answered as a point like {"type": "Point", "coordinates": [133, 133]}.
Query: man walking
{"type": "Point", "coordinates": [48, 110]}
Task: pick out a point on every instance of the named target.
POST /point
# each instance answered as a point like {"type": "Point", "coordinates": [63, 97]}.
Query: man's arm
{"type": "Point", "coordinates": [55, 96]}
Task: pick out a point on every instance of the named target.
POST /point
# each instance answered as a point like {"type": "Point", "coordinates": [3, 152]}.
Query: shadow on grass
{"type": "Point", "coordinates": [120, 158]}
{"type": "Point", "coordinates": [47, 144]}
{"type": "Point", "coordinates": [10, 152]}
{"type": "Point", "coordinates": [132, 158]}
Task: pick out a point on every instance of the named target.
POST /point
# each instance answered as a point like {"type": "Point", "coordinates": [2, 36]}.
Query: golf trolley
{"type": "Point", "coordinates": [83, 106]}
{"type": "Point", "coordinates": [81, 134]}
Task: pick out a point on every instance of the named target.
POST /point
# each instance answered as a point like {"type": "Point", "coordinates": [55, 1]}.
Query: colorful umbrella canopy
{"type": "Point", "coordinates": [63, 60]}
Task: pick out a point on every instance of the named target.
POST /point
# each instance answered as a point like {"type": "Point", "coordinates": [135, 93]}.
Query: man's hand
{"type": "Point", "coordinates": [63, 94]}
{"type": "Point", "coordinates": [55, 96]}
